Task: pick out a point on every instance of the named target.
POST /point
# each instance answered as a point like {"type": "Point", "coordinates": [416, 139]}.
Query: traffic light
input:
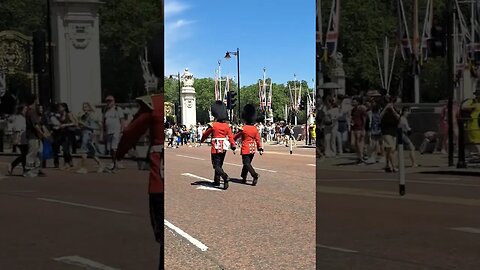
{"type": "Point", "coordinates": [233, 99]}
{"type": "Point", "coordinates": [302, 105]}
{"type": "Point", "coordinates": [437, 45]}
{"type": "Point", "coordinates": [229, 100]}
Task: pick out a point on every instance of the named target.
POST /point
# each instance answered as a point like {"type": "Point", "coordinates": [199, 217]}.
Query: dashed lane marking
{"type": "Point", "coordinates": [467, 229]}
{"type": "Point", "coordinates": [416, 181]}
{"type": "Point", "coordinates": [190, 157]}
{"type": "Point", "coordinates": [83, 262]}
{"type": "Point", "coordinates": [259, 169]}
{"type": "Point", "coordinates": [84, 206]}
{"type": "Point", "coordinates": [337, 249]}
{"type": "Point", "coordinates": [393, 195]}
{"type": "Point", "coordinates": [185, 235]}
{"type": "Point", "coordinates": [288, 154]}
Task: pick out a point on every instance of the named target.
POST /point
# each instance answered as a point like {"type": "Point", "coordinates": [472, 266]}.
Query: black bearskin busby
{"type": "Point", "coordinates": [249, 114]}
{"type": "Point", "coordinates": [219, 111]}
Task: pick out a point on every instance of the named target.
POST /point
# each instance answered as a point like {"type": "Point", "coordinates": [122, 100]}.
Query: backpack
{"type": "Point", "coordinates": [375, 124]}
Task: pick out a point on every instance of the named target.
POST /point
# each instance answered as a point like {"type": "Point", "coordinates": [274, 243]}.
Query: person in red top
{"type": "Point", "coordinates": [222, 139]}
{"type": "Point", "coordinates": [149, 117]}
{"type": "Point", "coordinates": [250, 143]}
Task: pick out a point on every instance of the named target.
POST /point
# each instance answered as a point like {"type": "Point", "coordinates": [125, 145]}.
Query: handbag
{"type": "Point", "coordinates": [47, 152]}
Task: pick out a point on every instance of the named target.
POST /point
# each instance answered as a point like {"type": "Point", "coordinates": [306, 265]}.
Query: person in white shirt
{"type": "Point", "coordinates": [19, 126]}
{"type": "Point", "coordinates": [113, 124]}
{"type": "Point", "coordinates": [406, 131]}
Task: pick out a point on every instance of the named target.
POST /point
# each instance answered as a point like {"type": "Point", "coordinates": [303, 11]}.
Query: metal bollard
{"type": "Point", "coordinates": [461, 164]}
{"type": "Point", "coordinates": [401, 162]}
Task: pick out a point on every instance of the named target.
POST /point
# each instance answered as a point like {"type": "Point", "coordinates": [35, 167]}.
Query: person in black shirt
{"type": "Point", "coordinates": [389, 124]}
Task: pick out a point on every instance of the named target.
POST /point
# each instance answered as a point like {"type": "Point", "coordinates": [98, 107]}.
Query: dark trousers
{"type": "Point", "coordinates": [66, 142]}
{"type": "Point", "coordinates": [217, 162]}
{"type": "Point", "coordinates": [247, 166]}
{"type": "Point", "coordinates": [157, 215]}
{"type": "Point", "coordinates": [22, 158]}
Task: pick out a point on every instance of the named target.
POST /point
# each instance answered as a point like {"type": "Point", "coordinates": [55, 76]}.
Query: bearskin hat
{"type": "Point", "coordinates": [219, 111]}
{"type": "Point", "coordinates": [249, 114]}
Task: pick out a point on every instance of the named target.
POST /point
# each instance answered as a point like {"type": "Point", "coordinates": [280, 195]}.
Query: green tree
{"type": "Point", "coordinates": [125, 28]}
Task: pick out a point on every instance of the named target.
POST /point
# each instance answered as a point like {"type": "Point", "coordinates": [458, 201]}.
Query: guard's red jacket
{"type": "Point", "coordinates": [221, 134]}
{"type": "Point", "coordinates": [250, 139]}
{"type": "Point", "coordinates": [149, 116]}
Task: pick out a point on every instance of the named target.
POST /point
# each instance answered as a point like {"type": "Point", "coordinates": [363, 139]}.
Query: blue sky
{"type": "Point", "coordinates": [276, 34]}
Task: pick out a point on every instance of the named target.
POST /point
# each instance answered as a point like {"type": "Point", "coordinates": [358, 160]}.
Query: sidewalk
{"type": "Point", "coordinates": [429, 164]}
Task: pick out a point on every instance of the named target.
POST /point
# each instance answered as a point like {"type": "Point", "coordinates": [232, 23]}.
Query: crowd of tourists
{"type": "Point", "coordinates": [40, 135]}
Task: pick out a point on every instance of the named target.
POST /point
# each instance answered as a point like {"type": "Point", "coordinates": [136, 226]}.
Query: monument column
{"type": "Point", "coordinates": [75, 34]}
{"type": "Point", "coordinates": [189, 106]}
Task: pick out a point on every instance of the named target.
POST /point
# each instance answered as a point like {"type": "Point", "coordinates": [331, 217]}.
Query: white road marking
{"type": "Point", "coordinates": [203, 179]}
{"type": "Point", "coordinates": [288, 154]}
{"type": "Point", "coordinates": [467, 229]}
{"type": "Point", "coordinates": [84, 206]}
{"type": "Point", "coordinates": [259, 169]}
{"type": "Point", "coordinates": [190, 157]}
{"type": "Point", "coordinates": [185, 235]}
{"type": "Point", "coordinates": [83, 262]}
{"type": "Point", "coordinates": [417, 181]}
{"type": "Point", "coordinates": [209, 188]}
{"type": "Point", "coordinates": [197, 177]}
{"type": "Point", "coordinates": [337, 249]}
{"type": "Point", "coordinates": [393, 195]}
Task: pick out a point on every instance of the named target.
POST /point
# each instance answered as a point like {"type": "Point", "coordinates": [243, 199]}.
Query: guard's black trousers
{"type": "Point", "coordinates": [217, 162]}
{"type": "Point", "coordinates": [247, 166]}
{"type": "Point", "coordinates": [156, 202]}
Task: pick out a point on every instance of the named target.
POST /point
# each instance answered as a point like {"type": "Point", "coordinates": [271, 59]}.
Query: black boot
{"type": "Point", "coordinates": [244, 179]}
{"type": "Point", "coordinates": [216, 181]}
{"type": "Point", "coordinates": [226, 179]}
{"type": "Point", "coordinates": [255, 179]}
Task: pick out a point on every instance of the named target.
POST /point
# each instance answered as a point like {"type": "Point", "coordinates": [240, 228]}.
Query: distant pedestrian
{"type": "Point", "coordinates": [113, 121]}
{"type": "Point", "coordinates": [19, 139]}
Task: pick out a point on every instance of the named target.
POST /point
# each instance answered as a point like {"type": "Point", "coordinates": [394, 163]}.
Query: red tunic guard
{"type": "Point", "coordinates": [150, 116]}
{"type": "Point", "coordinates": [250, 139]}
{"type": "Point", "coordinates": [221, 136]}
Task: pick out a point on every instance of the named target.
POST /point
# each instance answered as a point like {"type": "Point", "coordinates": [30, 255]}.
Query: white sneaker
{"type": "Point", "coordinates": [82, 171]}
{"type": "Point", "coordinates": [30, 174]}
{"type": "Point", "coordinates": [100, 169]}
{"type": "Point", "coordinates": [9, 169]}
{"type": "Point", "coordinates": [371, 160]}
{"type": "Point", "coordinates": [120, 166]}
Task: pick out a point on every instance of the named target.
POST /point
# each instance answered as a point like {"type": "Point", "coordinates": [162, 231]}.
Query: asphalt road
{"type": "Point", "coordinates": [74, 221]}
{"type": "Point", "coordinates": [362, 222]}
{"type": "Point", "coordinates": [101, 221]}
{"type": "Point", "coordinates": [268, 226]}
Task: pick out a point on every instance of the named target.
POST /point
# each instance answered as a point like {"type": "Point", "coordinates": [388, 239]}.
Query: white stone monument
{"type": "Point", "coordinates": [75, 34]}
{"type": "Point", "coordinates": [189, 106]}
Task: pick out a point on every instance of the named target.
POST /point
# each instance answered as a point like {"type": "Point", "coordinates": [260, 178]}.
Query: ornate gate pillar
{"type": "Point", "coordinates": [75, 34]}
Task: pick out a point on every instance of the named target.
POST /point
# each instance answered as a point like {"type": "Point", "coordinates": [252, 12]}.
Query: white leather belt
{"type": "Point", "coordinates": [156, 149]}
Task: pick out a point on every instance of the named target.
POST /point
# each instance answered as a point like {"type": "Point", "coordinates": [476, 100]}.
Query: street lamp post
{"type": "Point", "coordinates": [237, 54]}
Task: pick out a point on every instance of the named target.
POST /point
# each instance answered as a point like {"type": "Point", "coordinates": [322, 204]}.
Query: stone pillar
{"type": "Point", "coordinates": [75, 35]}
{"type": "Point", "coordinates": [189, 106]}
{"type": "Point", "coordinates": [338, 74]}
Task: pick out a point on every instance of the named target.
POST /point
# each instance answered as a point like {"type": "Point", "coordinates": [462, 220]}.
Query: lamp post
{"type": "Point", "coordinates": [237, 54]}
{"type": "Point", "coordinates": [179, 106]}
